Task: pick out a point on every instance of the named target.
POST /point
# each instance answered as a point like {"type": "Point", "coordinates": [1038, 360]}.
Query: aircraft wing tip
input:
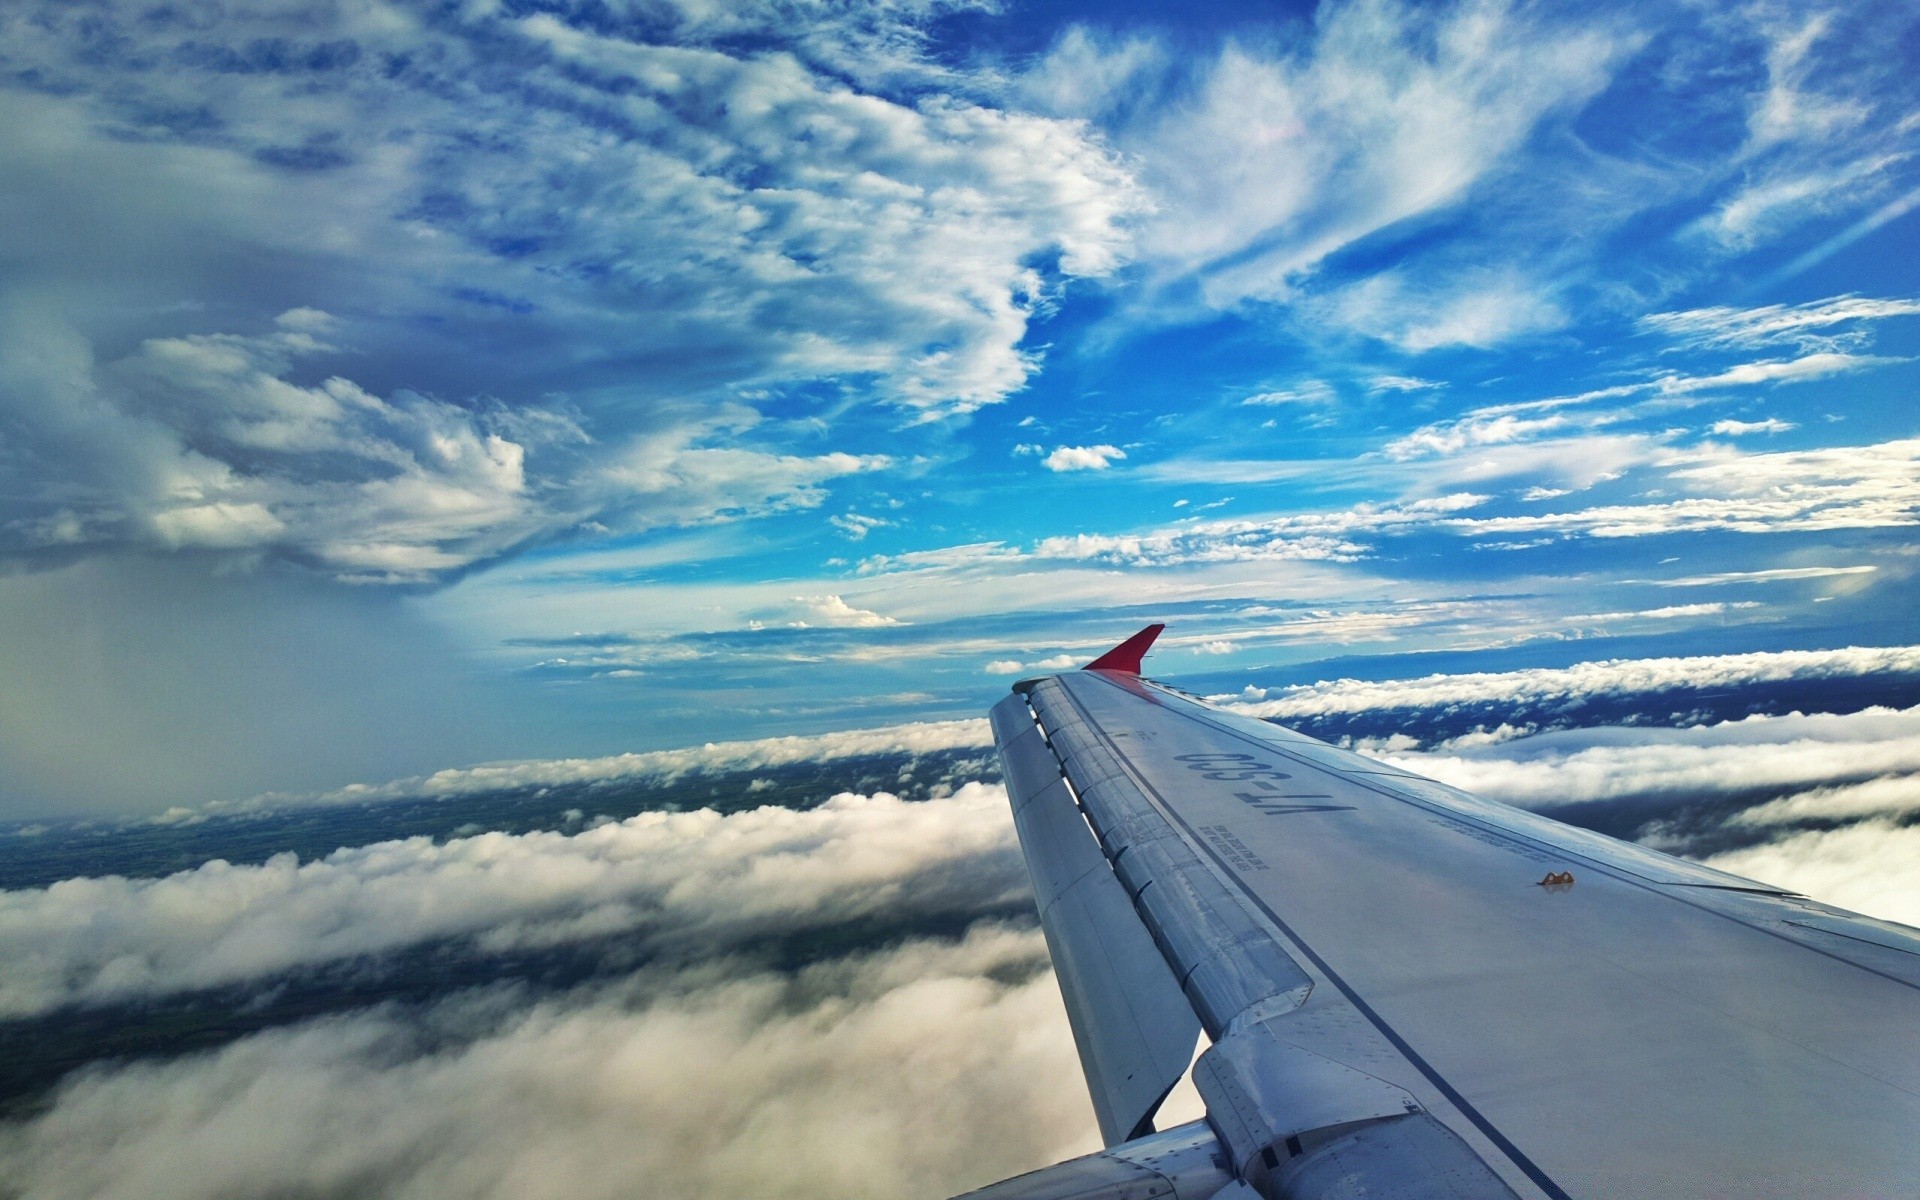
{"type": "Point", "coordinates": [1127, 656]}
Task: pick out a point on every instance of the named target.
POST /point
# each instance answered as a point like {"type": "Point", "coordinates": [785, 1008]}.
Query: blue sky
{"type": "Point", "coordinates": [385, 386]}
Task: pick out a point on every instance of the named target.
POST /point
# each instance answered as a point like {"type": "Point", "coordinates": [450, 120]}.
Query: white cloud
{"type": "Point", "coordinates": [1888, 796]}
{"type": "Point", "coordinates": [1082, 458]}
{"type": "Point", "coordinates": [1313, 391]}
{"type": "Point", "coordinates": [1818, 365]}
{"type": "Point", "coordinates": [1756, 753]}
{"type": "Point", "coordinates": [1013, 666]}
{"type": "Point", "coordinates": [1812, 145]}
{"type": "Point", "coordinates": [692, 879]}
{"type": "Point", "coordinates": [1666, 613]}
{"type": "Point", "coordinates": [1868, 868]}
{"type": "Point", "coordinates": [1763, 576]}
{"type": "Point", "coordinates": [1299, 536]}
{"type": "Point", "coordinates": [1805, 325]}
{"type": "Point", "coordinates": [1465, 308]}
{"type": "Point", "coordinates": [1610, 677]}
{"type": "Point", "coordinates": [1841, 487]}
{"type": "Point", "coordinates": [1474, 430]}
{"type": "Point", "coordinates": [857, 526]}
{"type": "Point", "coordinates": [1402, 383]}
{"type": "Point", "coordinates": [832, 610]}
{"type": "Point", "coordinates": [696, 470]}
{"type": "Point", "coordinates": [918, 738]}
{"type": "Point", "coordinates": [1734, 428]}
{"type": "Point", "coordinates": [920, 1070]}
{"type": "Point", "coordinates": [1275, 159]}
{"type": "Point", "coordinates": [201, 442]}
{"type": "Point", "coordinates": [661, 192]}
{"type": "Point", "coordinates": [530, 207]}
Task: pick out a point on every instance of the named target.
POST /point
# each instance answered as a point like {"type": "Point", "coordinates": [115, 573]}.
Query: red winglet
{"type": "Point", "coordinates": [1127, 655]}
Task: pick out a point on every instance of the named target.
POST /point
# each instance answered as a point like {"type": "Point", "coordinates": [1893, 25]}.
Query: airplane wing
{"type": "Point", "coordinates": [1411, 991]}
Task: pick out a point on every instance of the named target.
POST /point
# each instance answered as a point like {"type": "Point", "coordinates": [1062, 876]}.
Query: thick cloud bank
{"type": "Point", "coordinates": [682, 881]}
{"type": "Point", "coordinates": [1870, 867]}
{"type": "Point", "coordinates": [916, 1072]}
{"type": "Point", "coordinates": [922, 737]}
{"type": "Point", "coordinates": [1754, 754]}
{"type": "Point", "coordinates": [1609, 677]}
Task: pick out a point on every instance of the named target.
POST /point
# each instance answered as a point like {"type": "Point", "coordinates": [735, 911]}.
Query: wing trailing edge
{"type": "Point", "coordinates": [1133, 1028]}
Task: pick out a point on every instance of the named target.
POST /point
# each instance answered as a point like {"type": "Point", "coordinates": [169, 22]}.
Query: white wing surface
{"type": "Point", "coordinates": [1412, 991]}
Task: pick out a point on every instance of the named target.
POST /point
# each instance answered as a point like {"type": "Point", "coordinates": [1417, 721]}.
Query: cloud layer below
{"type": "Point", "coordinates": [683, 883]}
{"type": "Point", "coordinates": [913, 1072]}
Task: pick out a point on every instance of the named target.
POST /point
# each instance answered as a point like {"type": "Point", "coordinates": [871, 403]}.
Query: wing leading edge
{"type": "Point", "coordinates": [1398, 1008]}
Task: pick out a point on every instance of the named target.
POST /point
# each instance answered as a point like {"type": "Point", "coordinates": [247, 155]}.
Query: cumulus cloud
{"type": "Point", "coordinates": [1082, 458]}
{"type": "Point", "coordinates": [586, 165]}
{"type": "Point", "coordinates": [697, 223]}
{"type": "Point", "coordinates": [832, 610]}
{"type": "Point", "coordinates": [1609, 677]}
{"type": "Point", "coordinates": [917, 1071]}
{"type": "Point", "coordinates": [202, 442]}
{"type": "Point", "coordinates": [681, 880]}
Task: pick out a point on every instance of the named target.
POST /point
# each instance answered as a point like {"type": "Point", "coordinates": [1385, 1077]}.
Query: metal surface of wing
{"type": "Point", "coordinates": [1400, 1005]}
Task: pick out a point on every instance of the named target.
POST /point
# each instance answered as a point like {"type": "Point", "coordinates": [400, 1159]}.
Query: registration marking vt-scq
{"type": "Point", "coordinates": [1244, 768]}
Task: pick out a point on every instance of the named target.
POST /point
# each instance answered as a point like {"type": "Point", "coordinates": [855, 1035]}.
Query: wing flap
{"type": "Point", "coordinates": [1181, 1164]}
{"type": "Point", "coordinates": [1133, 1027]}
{"type": "Point", "coordinates": [1224, 955]}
